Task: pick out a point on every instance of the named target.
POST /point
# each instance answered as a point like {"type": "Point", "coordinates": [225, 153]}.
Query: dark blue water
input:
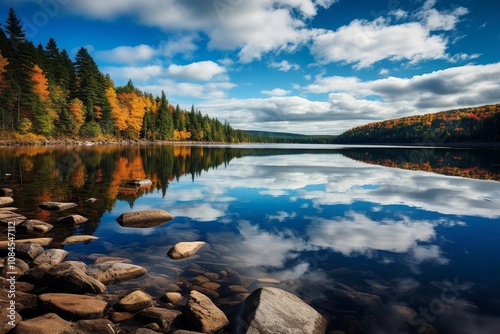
{"type": "Point", "coordinates": [317, 220]}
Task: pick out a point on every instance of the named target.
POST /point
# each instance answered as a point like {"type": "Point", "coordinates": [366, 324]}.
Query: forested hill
{"type": "Point", "coordinates": [45, 94]}
{"type": "Point", "coordinates": [476, 124]}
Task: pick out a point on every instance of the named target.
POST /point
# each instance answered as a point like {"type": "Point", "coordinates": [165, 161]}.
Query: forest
{"type": "Point", "coordinates": [44, 94]}
{"type": "Point", "coordinates": [467, 125]}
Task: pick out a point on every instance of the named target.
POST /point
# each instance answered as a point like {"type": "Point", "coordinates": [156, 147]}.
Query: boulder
{"type": "Point", "coordinates": [49, 323]}
{"type": "Point", "coordinates": [160, 316]}
{"type": "Point", "coordinates": [39, 241]}
{"type": "Point", "coordinates": [56, 206]}
{"type": "Point", "coordinates": [73, 307]}
{"type": "Point", "coordinates": [184, 250]}
{"type": "Point", "coordinates": [144, 219]}
{"type": "Point", "coordinates": [28, 251]}
{"type": "Point", "coordinates": [5, 200]}
{"type": "Point", "coordinates": [134, 301]}
{"type": "Point", "coordinates": [207, 292]}
{"type": "Point", "coordinates": [72, 219]}
{"type": "Point", "coordinates": [90, 200]}
{"type": "Point", "coordinates": [118, 317]}
{"type": "Point", "coordinates": [19, 264]}
{"type": "Point", "coordinates": [6, 192]}
{"type": "Point", "coordinates": [6, 317]}
{"type": "Point", "coordinates": [99, 326]}
{"type": "Point", "coordinates": [272, 310]}
{"type": "Point", "coordinates": [75, 239]}
{"type": "Point", "coordinates": [171, 297]}
{"type": "Point", "coordinates": [114, 272]}
{"type": "Point", "coordinates": [33, 226]}
{"type": "Point", "coordinates": [51, 256]}
{"type": "Point", "coordinates": [202, 313]}
{"type": "Point", "coordinates": [70, 276]}
{"type": "Point", "coordinates": [357, 298]}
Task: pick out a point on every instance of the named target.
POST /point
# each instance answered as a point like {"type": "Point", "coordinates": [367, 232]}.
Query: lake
{"type": "Point", "coordinates": [377, 239]}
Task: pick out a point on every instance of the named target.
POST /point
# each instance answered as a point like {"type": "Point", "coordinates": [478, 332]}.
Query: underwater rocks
{"type": "Point", "coordinates": [184, 250]}
{"type": "Point", "coordinates": [56, 206]}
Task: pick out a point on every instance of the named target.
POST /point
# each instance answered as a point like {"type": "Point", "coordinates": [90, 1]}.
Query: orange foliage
{"type": "Point", "coordinates": [41, 86]}
{"type": "Point", "coordinates": [120, 114]}
{"type": "Point", "coordinates": [3, 64]}
{"type": "Point", "coordinates": [77, 113]}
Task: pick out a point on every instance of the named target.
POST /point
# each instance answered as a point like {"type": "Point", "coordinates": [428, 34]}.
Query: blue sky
{"type": "Point", "coordinates": [303, 66]}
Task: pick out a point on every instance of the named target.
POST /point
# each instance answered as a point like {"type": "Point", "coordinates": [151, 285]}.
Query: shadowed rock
{"type": "Point", "coordinates": [6, 192]}
{"type": "Point", "coordinates": [204, 315]}
{"type": "Point", "coordinates": [49, 323]}
{"type": "Point", "coordinates": [56, 206]}
{"type": "Point", "coordinates": [272, 310]}
{"type": "Point", "coordinates": [8, 216]}
{"type": "Point", "coordinates": [30, 226]}
{"type": "Point", "coordinates": [28, 251]}
{"type": "Point", "coordinates": [73, 307]}
{"type": "Point", "coordinates": [183, 250]}
{"type": "Point", "coordinates": [51, 256]}
{"type": "Point", "coordinates": [145, 218]}
{"type": "Point", "coordinates": [39, 241]}
{"type": "Point", "coordinates": [162, 317]}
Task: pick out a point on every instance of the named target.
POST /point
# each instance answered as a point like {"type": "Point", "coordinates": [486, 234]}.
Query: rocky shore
{"type": "Point", "coordinates": [53, 295]}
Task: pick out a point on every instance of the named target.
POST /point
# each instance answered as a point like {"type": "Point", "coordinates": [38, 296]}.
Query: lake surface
{"type": "Point", "coordinates": [364, 235]}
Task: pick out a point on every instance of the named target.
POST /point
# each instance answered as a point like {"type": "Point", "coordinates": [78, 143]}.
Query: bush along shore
{"type": "Point", "coordinates": [43, 292]}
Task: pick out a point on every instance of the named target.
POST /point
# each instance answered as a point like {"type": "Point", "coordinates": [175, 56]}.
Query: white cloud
{"type": "Point", "coordinates": [281, 216]}
{"type": "Point", "coordinates": [203, 212]}
{"type": "Point", "coordinates": [364, 43]}
{"type": "Point", "coordinates": [276, 92]}
{"type": "Point", "coordinates": [127, 54]}
{"type": "Point", "coordinates": [198, 71]}
{"type": "Point", "coordinates": [435, 20]}
{"type": "Point", "coordinates": [284, 66]}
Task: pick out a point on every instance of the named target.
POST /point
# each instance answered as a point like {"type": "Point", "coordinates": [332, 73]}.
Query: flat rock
{"type": "Point", "coordinates": [51, 256]}
{"type": "Point", "coordinates": [49, 323]}
{"type": "Point", "coordinates": [56, 206]}
{"type": "Point", "coordinates": [33, 226]}
{"type": "Point", "coordinates": [6, 192]}
{"type": "Point", "coordinates": [28, 251]}
{"type": "Point", "coordinates": [272, 310]}
{"type": "Point", "coordinates": [160, 316]}
{"type": "Point", "coordinates": [237, 289]}
{"type": "Point", "coordinates": [72, 219]}
{"type": "Point", "coordinates": [75, 239]}
{"type": "Point", "coordinates": [70, 276]}
{"type": "Point", "coordinates": [202, 313]}
{"type": "Point", "coordinates": [39, 241]}
{"type": "Point", "coordinates": [73, 307]}
{"type": "Point", "coordinates": [134, 301]}
{"type": "Point", "coordinates": [184, 250]}
{"type": "Point", "coordinates": [118, 317]}
{"type": "Point", "coordinates": [207, 292]}
{"type": "Point", "coordinates": [91, 200]}
{"type": "Point", "coordinates": [5, 200]}
{"type": "Point", "coordinates": [114, 272]}
{"type": "Point", "coordinates": [144, 219]}
{"type": "Point", "coordinates": [103, 259]}
{"type": "Point", "coordinates": [8, 216]}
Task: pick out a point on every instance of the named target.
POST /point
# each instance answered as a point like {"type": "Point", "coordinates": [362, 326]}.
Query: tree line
{"type": "Point", "coordinates": [46, 94]}
{"type": "Point", "coordinates": [475, 124]}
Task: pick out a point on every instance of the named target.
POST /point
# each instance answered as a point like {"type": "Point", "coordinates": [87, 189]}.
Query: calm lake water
{"type": "Point", "coordinates": [337, 226]}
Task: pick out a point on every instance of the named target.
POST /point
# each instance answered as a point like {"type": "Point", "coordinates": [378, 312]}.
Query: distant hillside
{"type": "Point", "coordinates": [476, 124]}
{"type": "Point", "coordinates": [273, 134]}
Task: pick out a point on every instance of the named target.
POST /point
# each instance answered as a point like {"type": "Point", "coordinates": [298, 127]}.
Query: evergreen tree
{"type": "Point", "coordinates": [164, 119]}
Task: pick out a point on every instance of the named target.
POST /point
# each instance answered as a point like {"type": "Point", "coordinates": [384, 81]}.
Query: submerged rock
{"type": "Point", "coordinates": [56, 206]}
{"type": "Point", "coordinates": [160, 316]}
{"type": "Point", "coordinates": [72, 306]}
{"type": "Point", "coordinates": [144, 219]}
{"type": "Point", "coordinates": [184, 250]}
{"type": "Point", "coordinates": [114, 272]}
{"type": "Point", "coordinates": [272, 310]}
{"type": "Point", "coordinates": [204, 315]}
